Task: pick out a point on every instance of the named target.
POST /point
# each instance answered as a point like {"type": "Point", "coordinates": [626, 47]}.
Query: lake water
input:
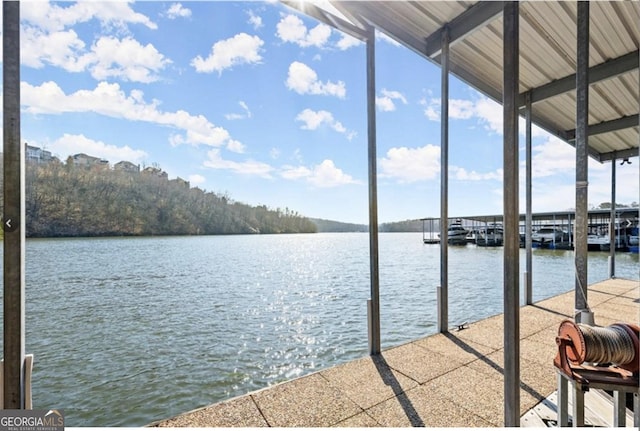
{"type": "Point", "coordinates": [126, 331]}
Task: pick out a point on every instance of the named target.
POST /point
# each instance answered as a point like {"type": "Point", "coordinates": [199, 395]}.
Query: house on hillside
{"type": "Point", "coordinates": [36, 154]}
{"type": "Point", "coordinates": [179, 181]}
{"type": "Point", "coordinates": [86, 161]}
{"type": "Point", "coordinates": [151, 170]}
{"type": "Point", "coordinates": [125, 166]}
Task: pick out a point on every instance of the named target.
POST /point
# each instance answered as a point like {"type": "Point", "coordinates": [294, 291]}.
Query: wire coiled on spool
{"type": "Point", "coordinates": [612, 344]}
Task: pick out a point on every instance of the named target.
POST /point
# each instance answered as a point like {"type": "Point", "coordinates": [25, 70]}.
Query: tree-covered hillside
{"type": "Point", "coordinates": [402, 226]}
{"type": "Point", "coordinates": [67, 200]}
{"type": "Point", "coordinates": [336, 226]}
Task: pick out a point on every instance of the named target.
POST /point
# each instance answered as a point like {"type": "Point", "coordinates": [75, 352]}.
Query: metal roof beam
{"type": "Point", "coordinates": [600, 72]}
{"type": "Point", "coordinates": [475, 17]}
{"type": "Point", "coordinates": [360, 12]}
{"type": "Point", "coordinates": [607, 126]}
{"type": "Point", "coordinates": [620, 154]}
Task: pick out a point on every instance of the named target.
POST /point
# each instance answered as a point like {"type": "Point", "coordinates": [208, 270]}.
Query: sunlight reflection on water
{"type": "Point", "coordinates": [175, 323]}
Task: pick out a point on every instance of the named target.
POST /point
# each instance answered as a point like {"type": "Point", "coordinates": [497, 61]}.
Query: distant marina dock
{"type": "Point", "coordinates": [559, 225]}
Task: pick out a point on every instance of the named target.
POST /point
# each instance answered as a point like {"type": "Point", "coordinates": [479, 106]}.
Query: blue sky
{"type": "Point", "coordinates": [257, 101]}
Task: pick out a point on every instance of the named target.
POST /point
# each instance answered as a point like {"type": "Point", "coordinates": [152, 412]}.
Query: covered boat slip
{"type": "Point", "coordinates": [568, 67]}
{"type": "Point", "coordinates": [626, 223]}
{"type": "Point", "coordinates": [571, 68]}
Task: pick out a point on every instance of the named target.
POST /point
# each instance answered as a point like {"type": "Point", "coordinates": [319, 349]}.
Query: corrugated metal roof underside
{"type": "Point", "coordinates": [547, 58]}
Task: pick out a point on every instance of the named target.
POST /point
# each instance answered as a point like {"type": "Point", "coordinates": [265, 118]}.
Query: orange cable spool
{"type": "Point", "coordinates": [618, 344]}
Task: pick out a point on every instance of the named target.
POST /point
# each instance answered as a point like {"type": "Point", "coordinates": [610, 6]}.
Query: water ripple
{"type": "Point", "coordinates": [172, 324]}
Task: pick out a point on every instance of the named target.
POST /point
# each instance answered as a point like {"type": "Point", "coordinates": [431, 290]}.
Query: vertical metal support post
{"type": "Point", "coordinates": [374, 318]}
{"type": "Point", "coordinates": [528, 287]}
{"type": "Point", "coordinates": [619, 409]}
{"type": "Point", "coordinates": [443, 289]}
{"type": "Point", "coordinates": [511, 74]}
{"type": "Point", "coordinates": [636, 410]}
{"type": "Point", "coordinates": [14, 213]}
{"type": "Point", "coordinates": [612, 223]}
{"type": "Point", "coordinates": [578, 406]}
{"type": "Point", "coordinates": [571, 233]}
{"type": "Point", "coordinates": [563, 401]}
{"type": "Point", "coordinates": [582, 167]}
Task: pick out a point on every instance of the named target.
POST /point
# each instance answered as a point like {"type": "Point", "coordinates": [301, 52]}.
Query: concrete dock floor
{"type": "Point", "coordinates": [443, 380]}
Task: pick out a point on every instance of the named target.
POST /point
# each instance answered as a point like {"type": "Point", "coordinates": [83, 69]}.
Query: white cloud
{"type": "Point", "coordinates": [462, 174]}
{"type": "Point", "coordinates": [176, 10]}
{"type": "Point", "coordinates": [461, 109]}
{"type": "Point", "coordinates": [53, 17]}
{"type": "Point", "coordinates": [432, 109]}
{"type": "Point", "coordinates": [196, 179]}
{"type": "Point", "coordinates": [46, 41]}
{"type": "Point", "coordinates": [109, 57]}
{"type": "Point", "coordinates": [291, 29]}
{"type": "Point", "coordinates": [386, 103]}
{"type": "Point", "coordinates": [550, 197]}
{"type": "Point", "coordinates": [295, 172]}
{"type": "Point", "coordinates": [304, 80]}
{"type": "Point", "coordinates": [242, 116]}
{"type": "Point", "coordinates": [552, 157]}
{"type": "Point", "coordinates": [62, 49]}
{"type": "Point", "coordinates": [249, 167]}
{"type": "Point", "coordinates": [488, 113]}
{"type": "Point", "coordinates": [324, 175]}
{"type": "Point", "coordinates": [410, 165]}
{"type": "Point", "coordinates": [274, 153]}
{"type": "Point", "coordinates": [110, 100]}
{"type": "Point", "coordinates": [225, 54]}
{"type": "Point", "coordinates": [383, 37]}
{"type": "Point", "coordinates": [68, 145]}
{"type": "Point", "coordinates": [627, 182]}
{"type": "Point", "coordinates": [347, 42]}
{"type": "Point", "coordinates": [314, 119]}
{"type": "Point", "coordinates": [235, 146]}
{"type": "Point", "coordinates": [126, 59]}
{"type": "Point", "coordinates": [255, 20]}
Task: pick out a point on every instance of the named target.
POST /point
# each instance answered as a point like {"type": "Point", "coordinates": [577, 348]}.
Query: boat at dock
{"type": "Point", "coordinates": [598, 242]}
{"type": "Point", "coordinates": [626, 238]}
{"type": "Point", "coordinates": [457, 233]}
{"type": "Point", "coordinates": [552, 230]}
{"type": "Point", "coordinates": [490, 236]}
{"type": "Point", "coordinates": [547, 235]}
{"type": "Point", "coordinates": [634, 240]}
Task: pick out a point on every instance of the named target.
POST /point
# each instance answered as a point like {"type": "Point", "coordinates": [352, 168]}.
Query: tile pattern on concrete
{"type": "Point", "coordinates": [453, 379]}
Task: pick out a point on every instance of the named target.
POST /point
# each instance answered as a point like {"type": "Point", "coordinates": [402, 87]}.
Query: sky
{"type": "Point", "coordinates": [259, 102]}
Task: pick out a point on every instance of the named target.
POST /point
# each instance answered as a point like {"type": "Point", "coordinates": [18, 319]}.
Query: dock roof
{"type": "Point", "coordinates": [622, 213]}
{"type": "Point", "coordinates": [547, 57]}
